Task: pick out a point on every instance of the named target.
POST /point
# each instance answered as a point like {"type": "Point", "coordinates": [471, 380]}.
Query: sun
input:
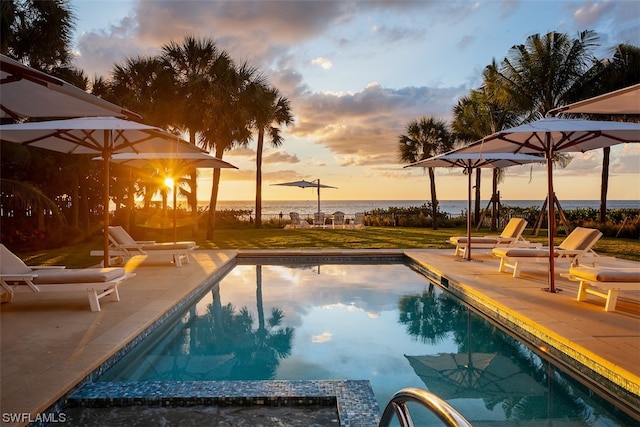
{"type": "Point", "coordinates": [168, 181]}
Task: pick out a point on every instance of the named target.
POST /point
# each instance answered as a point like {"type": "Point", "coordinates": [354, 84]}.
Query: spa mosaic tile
{"type": "Point", "coordinates": [354, 399]}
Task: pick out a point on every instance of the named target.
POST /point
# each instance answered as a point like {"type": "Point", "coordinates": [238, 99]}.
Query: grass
{"type": "Point", "coordinates": [77, 256]}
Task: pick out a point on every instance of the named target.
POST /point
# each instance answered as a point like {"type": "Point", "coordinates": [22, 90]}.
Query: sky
{"type": "Point", "coordinates": [356, 73]}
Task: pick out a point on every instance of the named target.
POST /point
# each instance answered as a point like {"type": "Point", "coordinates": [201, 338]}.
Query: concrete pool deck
{"type": "Point", "coordinates": [51, 342]}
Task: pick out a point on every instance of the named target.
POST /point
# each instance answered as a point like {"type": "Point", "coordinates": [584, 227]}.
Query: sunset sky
{"type": "Point", "coordinates": [356, 72]}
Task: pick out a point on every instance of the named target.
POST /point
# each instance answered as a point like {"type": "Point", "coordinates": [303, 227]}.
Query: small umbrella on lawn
{"type": "Point", "coordinates": [548, 137]}
{"type": "Point", "coordinates": [96, 135]}
{"type": "Point", "coordinates": [308, 184]}
{"type": "Point", "coordinates": [176, 162]}
{"type": "Point", "coordinates": [470, 161]}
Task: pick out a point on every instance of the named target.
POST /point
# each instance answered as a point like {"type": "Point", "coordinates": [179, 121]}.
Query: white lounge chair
{"type": "Point", "coordinates": [358, 220]}
{"type": "Point", "coordinates": [16, 276]}
{"type": "Point", "coordinates": [608, 279]}
{"type": "Point", "coordinates": [296, 222]}
{"type": "Point", "coordinates": [125, 246]}
{"type": "Point", "coordinates": [575, 248]}
{"type": "Point", "coordinates": [338, 220]}
{"type": "Point", "coordinates": [318, 220]}
{"type": "Point", "coordinates": [511, 236]}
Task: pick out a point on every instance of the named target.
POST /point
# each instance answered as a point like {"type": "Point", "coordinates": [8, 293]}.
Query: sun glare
{"type": "Point", "coordinates": [168, 181]}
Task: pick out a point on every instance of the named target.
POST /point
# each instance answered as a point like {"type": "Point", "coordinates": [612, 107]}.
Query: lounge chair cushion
{"type": "Point", "coordinates": [85, 275]}
{"type": "Point", "coordinates": [481, 240]}
{"type": "Point", "coordinates": [522, 252]}
{"type": "Point", "coordinates": [123, 238]}
{"type": "Point", "coordinates": [604, 274]}
{"type": "Point", "coordinates": [169, 246]}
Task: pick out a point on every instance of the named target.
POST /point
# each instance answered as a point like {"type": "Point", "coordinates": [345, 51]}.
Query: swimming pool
{"type": "Point", "coordinates": [383, 323]}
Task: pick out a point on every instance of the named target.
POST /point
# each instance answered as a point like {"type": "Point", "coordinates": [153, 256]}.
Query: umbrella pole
{"type": "Point", "coordinates": [551, 218]}
{"type": "Point", "coordinates": [106, 155]}
{"type": "Point", "coordinates": [175, 232]}
{"type": "Point", "coordinates": [467, 252]}
{"type": "Point", "coordinates": [318, 195]}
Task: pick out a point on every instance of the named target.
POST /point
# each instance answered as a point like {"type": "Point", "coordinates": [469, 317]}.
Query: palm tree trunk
{"type": "Point", "coordinates": [259, 178]}
{"type": "Point", "coordinates": [193, 201]}
{"type": "Point", "coordinates": [193, 185]}
{"type": "Point", "coordinates": [213, 201]}
{"type": "Point", "coordinates": [476, 210]}
{"type": "Point", "coordinates": [434, 199]}
{"type": "Point", "coordinates": [604, 186]}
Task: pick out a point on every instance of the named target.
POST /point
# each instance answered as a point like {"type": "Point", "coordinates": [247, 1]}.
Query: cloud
{"type": "Point", "coordinates": [322, 62]}
{"type": "Point", "coordinates": [362, 128]}
{"type": "Point", "coordinates": [280, 157]}
{"type": "Point", "coordinates": [398, 34]}
{"type": "Point", "coordinates": [242, 152]}
{"type": "Point", "coordinates": [465, 41]}
{"type": "Point", "coordinates": [281, 176]}
{"type": "Point", "coordinates": [587, 15]}
{"type": "Point", "coordinates": [322, 338]}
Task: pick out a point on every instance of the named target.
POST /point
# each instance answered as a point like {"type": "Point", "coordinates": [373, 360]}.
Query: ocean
{"type": "Point", "coordinates": [452, 207]}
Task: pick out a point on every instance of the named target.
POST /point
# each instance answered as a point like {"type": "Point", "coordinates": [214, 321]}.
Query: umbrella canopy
{"type": "Point", "coordinates": [470, 161]}
{"type": "Point", "coordinates": [550, 136]}
{"type": "Point", "coordinates": [29, 93]}
{"type": "Point", "coordinates": [96, 135]}
{"type": "Point", "coordinates": [170, 160]}
{"type": "Point", "coordinates": [175, 162]}
{"type": "Point", "coordinates": [307, 184]}
{"type": "Point", "coordinates": [474, 375]}
{"type": "Point", "coordinates": [623, 101]}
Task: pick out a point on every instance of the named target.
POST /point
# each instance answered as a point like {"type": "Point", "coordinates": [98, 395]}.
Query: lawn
{"type": "Point", "coordinates": [77, 256]}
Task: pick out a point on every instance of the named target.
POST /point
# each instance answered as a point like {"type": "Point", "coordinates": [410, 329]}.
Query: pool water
{"type": "Point", "coordinates": [384, 323]}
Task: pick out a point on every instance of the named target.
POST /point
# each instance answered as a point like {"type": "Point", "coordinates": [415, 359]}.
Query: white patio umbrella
{"type": "Point", "coordinates": [550, 136]}
{"type": "Point", "coordinates": [622, 101]}
{"type": "Point", "coordinates": [173, 161]}
{"type": "Point", "coordinates": [307, 184]}
{"type": "Point", "coordinates": [96, 135]}
{"type": "Point", "coordinates": [470, 161]}
{"type": "Point", "coordinates": [28, 93]}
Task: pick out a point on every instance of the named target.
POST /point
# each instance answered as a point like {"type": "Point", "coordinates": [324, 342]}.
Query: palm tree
{"type": "Point", "coordinates": [38, 33]}
{"type": "Point", "coordinates": [145, 85]}
{"type": "Point", "coordinates": [270, 110]}
{"type": "Point", "coordinates": [425, 138]}
{"type": "Point", "coordinates": [543, 73]}
{"type": "Point", "coordinates": [228, 123]}
{"type": "Point", "coordinates": [201, 72]}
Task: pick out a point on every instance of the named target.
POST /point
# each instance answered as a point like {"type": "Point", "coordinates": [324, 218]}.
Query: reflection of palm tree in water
{"type": "Point", "coordinates": [255, 353]}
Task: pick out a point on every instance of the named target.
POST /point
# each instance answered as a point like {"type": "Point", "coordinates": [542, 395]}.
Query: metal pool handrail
{"type": "Point", "coordinates": [398, 405]}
